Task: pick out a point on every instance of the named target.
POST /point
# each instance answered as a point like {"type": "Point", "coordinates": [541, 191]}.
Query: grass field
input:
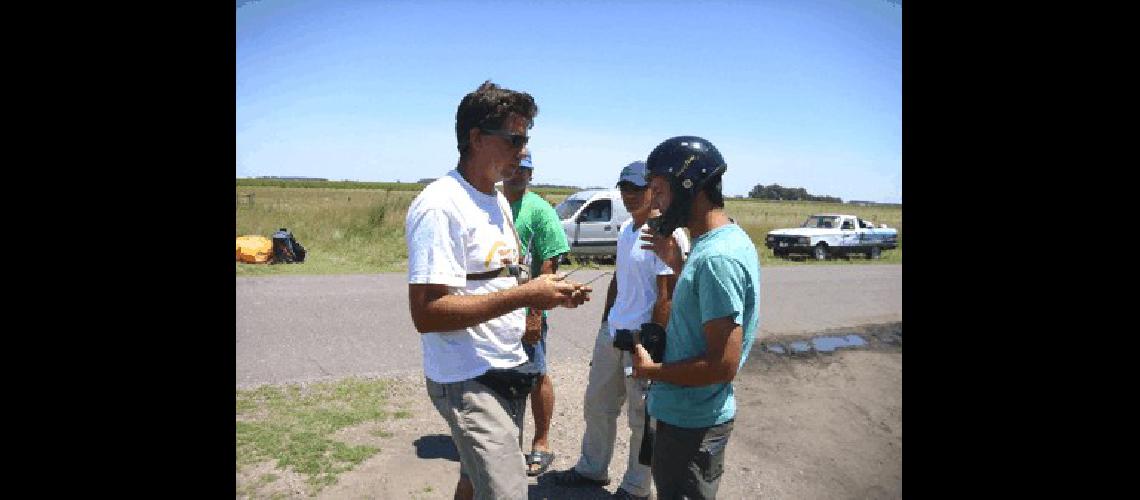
{"type": "Point", "coordinates": [355, 227]}
{"type": "Point", "coordinates": [292, 427]}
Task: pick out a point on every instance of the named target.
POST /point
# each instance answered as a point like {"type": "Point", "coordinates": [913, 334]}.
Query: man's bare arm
{"type": "Point", "coordinates": [664, 302]}
{"type": "Point", "coordinates": [723, 338]}
{"type": "Point", "coordinates": [533, 332]}
{"type": "Point", "coordinates": [434, 310]}
{"type": "Point", "coordinates": [611, 296]}
{"type": "Point", "coordinates": [550, 266]}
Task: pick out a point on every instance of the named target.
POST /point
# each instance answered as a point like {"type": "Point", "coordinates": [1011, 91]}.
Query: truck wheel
{"type": "Point", "coordinates": [820, 252]}
{"type": "Point", "coordinates": [778, 253]}
{"type": "Point", "coordinates": [876, 252]}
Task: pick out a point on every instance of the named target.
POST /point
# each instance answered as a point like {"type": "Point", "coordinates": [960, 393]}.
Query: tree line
{"type": "Point", "coordinates": [778, 192]}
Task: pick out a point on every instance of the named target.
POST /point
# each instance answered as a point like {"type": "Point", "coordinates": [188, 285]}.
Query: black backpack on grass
{"type": "Point", "coordinates": [286, 249]}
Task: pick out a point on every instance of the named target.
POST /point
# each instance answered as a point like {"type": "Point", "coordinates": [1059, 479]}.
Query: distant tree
{"type": "Point", "coordinates": [778, 192]}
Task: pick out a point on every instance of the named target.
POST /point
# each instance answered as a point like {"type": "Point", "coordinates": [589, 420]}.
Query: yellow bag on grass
{"type": "Point", "coordinates": [254, 249]}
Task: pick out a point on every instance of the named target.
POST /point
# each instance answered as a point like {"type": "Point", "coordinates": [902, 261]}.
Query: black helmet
{"type": "Point", "coordinates": [689, 163]}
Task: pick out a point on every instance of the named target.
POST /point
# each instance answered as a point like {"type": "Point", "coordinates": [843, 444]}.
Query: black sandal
{"type": "Point", "coordinates": [571, 477]}
{"type": "Point", "coordinates": [542, 459]}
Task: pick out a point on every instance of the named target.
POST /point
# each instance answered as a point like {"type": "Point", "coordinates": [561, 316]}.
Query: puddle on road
{"type": "Point", "coordinates": [800, 347]}
{"type": "Point", "coordinates": [835, 341]}
{"type": "Point", "coordinates": [829, 344]}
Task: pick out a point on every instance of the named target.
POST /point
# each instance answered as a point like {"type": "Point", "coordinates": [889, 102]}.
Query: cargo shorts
{"type": "Point", "coordinates": [485, 435]}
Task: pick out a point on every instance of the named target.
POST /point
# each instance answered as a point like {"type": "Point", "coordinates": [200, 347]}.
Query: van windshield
{"type": "Point", "coordinates": [568, 207]}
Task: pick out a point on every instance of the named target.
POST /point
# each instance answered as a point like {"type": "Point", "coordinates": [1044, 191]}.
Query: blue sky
{"type": "Point", "coordinates": [804, 93]}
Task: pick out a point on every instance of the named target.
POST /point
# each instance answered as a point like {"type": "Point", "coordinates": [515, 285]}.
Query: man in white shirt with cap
{"type": "Point", "coordinates": [640, 292]}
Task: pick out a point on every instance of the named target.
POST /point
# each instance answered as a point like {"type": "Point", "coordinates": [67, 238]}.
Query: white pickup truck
{"type": "Point", "coordinates": [826, 235]}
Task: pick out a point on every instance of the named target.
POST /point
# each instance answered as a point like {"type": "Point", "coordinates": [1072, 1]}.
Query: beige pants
{"type": "Point", "coordinates": [486, 437]}
{"type": "Point", "coordinates": [606, 391]}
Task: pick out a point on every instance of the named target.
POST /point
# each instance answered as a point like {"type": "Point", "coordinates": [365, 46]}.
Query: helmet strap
{"type": "Point", "coordinates": [676, 214]}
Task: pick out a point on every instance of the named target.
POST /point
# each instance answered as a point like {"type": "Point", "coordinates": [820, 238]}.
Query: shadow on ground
{"type": "Point", "coordinates": [436, 446]}
{"type": "Point", "coordinates": [547, 489]}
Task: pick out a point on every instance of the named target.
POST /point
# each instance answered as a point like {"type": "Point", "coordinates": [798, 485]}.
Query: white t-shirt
{"type": "Point", "coordinates": [637, 270]}
{"type": "Point", "coordinates": [454, 230]}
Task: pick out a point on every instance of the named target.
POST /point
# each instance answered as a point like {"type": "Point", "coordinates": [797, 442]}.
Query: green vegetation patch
{"type": "Point", "coordinates": [354, 230]}
{"type": "Point", "coordinates": [292, 425]}
{"type": "Point", "coordinates": [344, 231]}
{"type": "Point", "coordinates": [281, 183]}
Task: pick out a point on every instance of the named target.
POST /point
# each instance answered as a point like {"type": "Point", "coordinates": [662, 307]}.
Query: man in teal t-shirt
{"type": "Point", "coordinates": [542, 238]}
{"type": "Point", "coordinates": [712, 325]}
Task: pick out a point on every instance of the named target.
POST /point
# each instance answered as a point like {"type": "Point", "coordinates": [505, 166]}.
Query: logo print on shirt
{"type": "Point", "coordinates": [504, 254]}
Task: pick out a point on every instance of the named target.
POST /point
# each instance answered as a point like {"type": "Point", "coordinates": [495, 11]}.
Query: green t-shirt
{"type": "Point", "coordinates": [534, 216]}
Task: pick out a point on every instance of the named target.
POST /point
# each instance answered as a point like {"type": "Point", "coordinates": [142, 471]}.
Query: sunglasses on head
{"type": "Point", "coordinates": [516, 140]}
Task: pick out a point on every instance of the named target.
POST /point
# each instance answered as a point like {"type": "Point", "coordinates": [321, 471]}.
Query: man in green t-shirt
{"type": "Point", "coordinates": [544, 241]}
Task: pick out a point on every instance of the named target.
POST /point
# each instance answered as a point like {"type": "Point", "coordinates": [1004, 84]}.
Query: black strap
{"type": "Point", "coordinates": [645, 453]}
{"type": "Point", "coordinates": [487, 275]}
{"type": "Point", "coordinates": [510, 383]}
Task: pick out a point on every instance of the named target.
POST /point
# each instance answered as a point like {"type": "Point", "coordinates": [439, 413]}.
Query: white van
{"type": "Point", "coordinates": [591, 219]}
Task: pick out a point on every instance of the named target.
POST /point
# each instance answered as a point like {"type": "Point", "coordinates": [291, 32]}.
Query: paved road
{"type": "Point", "coordinates": [304, 328]}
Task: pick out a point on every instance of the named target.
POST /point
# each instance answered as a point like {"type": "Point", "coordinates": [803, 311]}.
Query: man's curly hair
{"type": "Point", "coordinates": [488, 107]}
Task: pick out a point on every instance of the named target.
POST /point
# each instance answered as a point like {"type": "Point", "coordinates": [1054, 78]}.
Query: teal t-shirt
{"type": "Point", "coordinates": [535, 218]}
{"type": "Point", "coordinates": [721, 278]}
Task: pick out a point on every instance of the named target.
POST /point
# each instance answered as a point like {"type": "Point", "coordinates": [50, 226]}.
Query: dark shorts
{"type": "Point", "coordinates": [537, 352]}
{"type": "Point", "coordinates": [688, 461]}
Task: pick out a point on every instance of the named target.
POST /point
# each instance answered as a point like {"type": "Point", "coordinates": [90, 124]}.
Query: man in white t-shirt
{"type": "Point", "coordinates": [640, 292]}
{"type": "Point", "coordinates": [465, 299]}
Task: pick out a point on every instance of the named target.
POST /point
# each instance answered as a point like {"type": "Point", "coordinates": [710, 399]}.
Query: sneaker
{"type": "Point", "coordinates": [621, 493]}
